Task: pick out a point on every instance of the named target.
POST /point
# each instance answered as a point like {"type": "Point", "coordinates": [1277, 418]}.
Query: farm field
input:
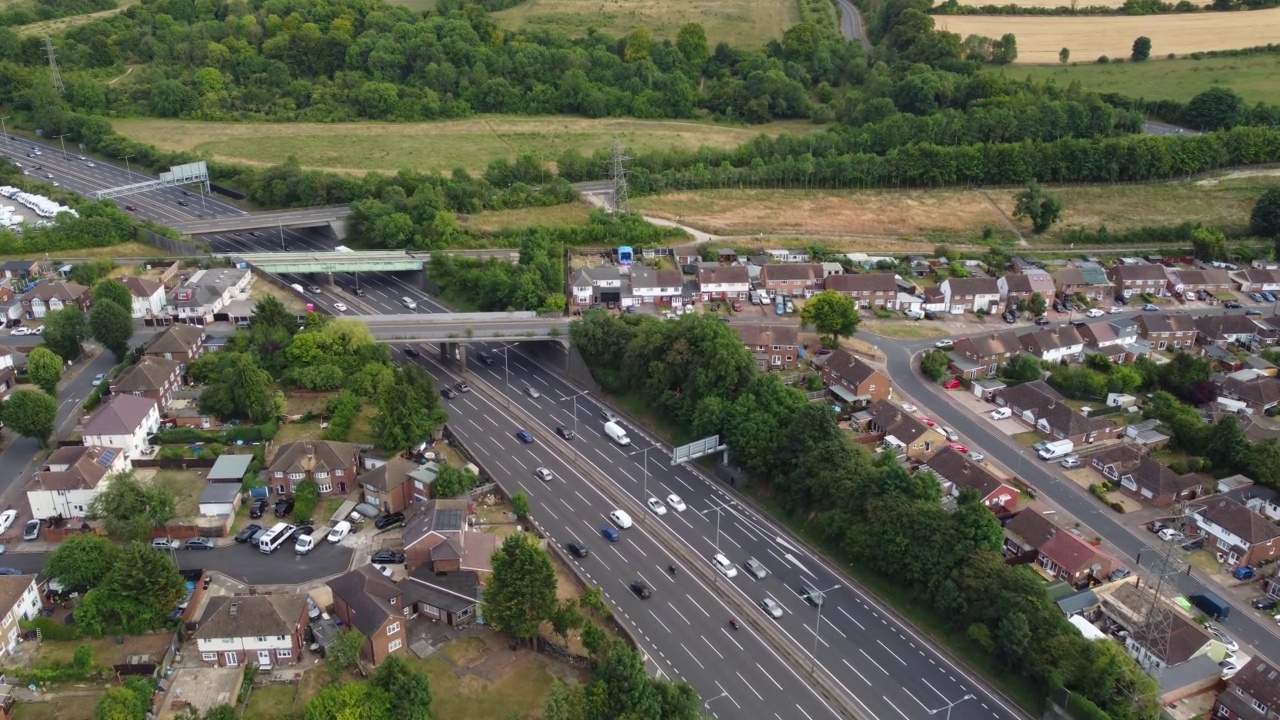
{"type": "Point", "coordinates": [1044, 3]}
{"type": "Point", "coordinates": [1253, 76]}
{"type": "Point", "coordinates": [961, 214]}
{"type": "Point", "coordinates": [46, 27]}
{"type": "Point", "coordinates": [741, 23]}
{"type": "Point", "coordinates": [415, 5]}
{"type": "Point", "coordinates": [1040, 38]}
{"type": "Point", "coordinates": [471, 144]}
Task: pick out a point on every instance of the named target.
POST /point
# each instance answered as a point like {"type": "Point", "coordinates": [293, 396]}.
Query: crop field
{"type": "Point", "coordinates": [1044, 3]}
{"type": "Point", "coordinates": [1253, 76]}
{"type": "Point", "coordinates": [471, 144]}
{"type": "Point", "coordinates": [741, 23]}
{"type": "Point", "coordinates": [1040, 38]}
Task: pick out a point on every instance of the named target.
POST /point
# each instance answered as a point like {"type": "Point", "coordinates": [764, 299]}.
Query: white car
{"type": "Point", "coordinates": [39, 329]}
{"type": "Point", "coordinates": [1113, 310]}
{"type": "Point", "coordinates": [340, 307]}
{"type": "Point", "coordinates": [943, 344]}
{"type": "Point", "coordinates": [977, 457]}
{"type": "Point", "coordinates": [725, 567]}
{"type": "Point", "coordinates": [97, 379]}
{"type": "Point", "coordinates": [20, 331]}
{"type": "Point", "coordinates": [1169, 535]}
{"type": "Point", "coordinates": [339, 531]}
{"type": "Point", "coordinates": [909, 407]}
{"type": "Point", "coordinates": [620, 518]}
{"type": "Point", "coordinates": [1001, 413]}
{"type": "Point", "coordinates": [771, 607]}
{"type": "Point", "coordinates": [1230, 668]}
{"type": "Point", "coordinates": [675, 502]}
{"type": "Point", "coordinates": [1221, 637]}
{"type": "Point", "coordinates": [6, 519]}
{"type": "Point", "coordinates": [657, 507]}
{"type": "Point", "coordinates": [387, 571]}
{"type": "Point", "coordinates": [544, 474]}
{"type": "Point", "coordinates": [1094, 313]}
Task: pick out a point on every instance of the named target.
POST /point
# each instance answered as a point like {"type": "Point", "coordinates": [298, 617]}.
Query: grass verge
{"type": "Point", "coordinates": [741, 23]}
{"type": "Point", "coordinates": [123, 250]}
{"type": "Point", "coordinates": [69, 706]}
{"type": "Point", "coordinates": [576, 214]}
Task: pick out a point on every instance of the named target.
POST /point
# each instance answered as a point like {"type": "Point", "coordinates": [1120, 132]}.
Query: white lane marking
{"type": "Point", "coordinates": [855, 622]}
{"type": "Point", "coordinates": [735, 642]}
{"type": "Point", "coordinates": [697, 605]}
{"type": "Point", "coordinates": [749, 687]}
{"type": "Point", "coordinates": [727, 695]}
{"type": "Point", "coordinates": [855, 671]}
{"type": "Point", "coordinates": [766, 674]}
{"type": "Point", "coordinates": [894, 654]}
{"type": "Point", "coordinates": [695, 659]}
{"type": "Point", "coordinates": [664, 625]}
{"type": "Point", "coordinates": [873, 662]}
{"type": "Point", "coordinates": [895, 707]}
{"type": "Point", "coordinates": [682, 617]}
{"type": "Point", "coordinates": [713, 647]}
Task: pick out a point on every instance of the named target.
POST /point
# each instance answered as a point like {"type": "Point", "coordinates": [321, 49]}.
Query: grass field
{"type": "Point", "coordinates": [1225, 203]}
{"type": "Point", "coordinates": [47, 27]}
{"type": "Point", "coordinates": [123, 250]}
{"type": "Point", "coordinates": [1045, 3]}
{"type": "Point", "coordinates": [570, 215]}
{"type": "Point", "coordinates": [1253, 76]}
{"type": "Point", "coordinates": [741, 23]}
{"type": "Point", "coordinates": [1040, 38]}
{"type": "Point", "coordinates": [470, 144]}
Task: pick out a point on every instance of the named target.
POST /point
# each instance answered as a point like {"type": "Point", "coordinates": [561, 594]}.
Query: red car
{"type": "Point", "coordinates": [959, 448]}
{"type": "Point", "coordinates": [130, 208]}
{"type": "Point", "coordinates": [737, 306]}
{"type": "Point", "coordinates": [951, 384]}
{"type": "Point", "coordinates": [927, 421]}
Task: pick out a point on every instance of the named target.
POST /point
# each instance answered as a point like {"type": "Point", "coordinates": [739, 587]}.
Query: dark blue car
{"type": "Point", "coordinates": [524, 436]}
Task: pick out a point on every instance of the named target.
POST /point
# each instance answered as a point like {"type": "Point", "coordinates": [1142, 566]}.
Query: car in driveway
{"type": "Point", "coordinates": [200, 543]}
{"type": "Point", "coordinates": [258, 508]}
{"type": "Point", "coordinates": [656, 506]}
{"type": "Point", "coordinates": [6, 520]}
{"type": "Point", "coordinates": [944, 344]}
{"type": "Point", "coordinates": [675, 502]}
{"type": "Point", "coordinates": [976, 456]}
{"type": "Point", "coordinates": [924, 419]}
{"type": "Point", "coordinates": [1169, 535]}
{"type": "Point", "coordinates": [564, 432]}
{"type": "Point", "coordinates": [388, 557]}
{"type": "Point", "coordinates": [283, 507]}
{"type": "Point", "coordinates": [1001, 414]}
{"type": "Point", "coordinates": [339, 531]}
{"type": "Point", "coordinates": [1071, 462]}
{"type": "Point", "coordinates": [1222, 637]}
{"type": "Point", "coordinates": [641, 589]}
{"type": "Point", "coordinates": [247, 532]}
{"type": "Point", "coordinates": [909, 407]}
{"type": "Point", "coordinates": [959, 447]}
{"type": "Point", "coordinates": [1150, 308]}
{"type": "Point", "coordinates": [1266, 602]}
{"type": "Point", "coordinates": [382, 522]}
{"type": "Point", "coordinates": [31, 530]}
{"type": "Point", "coordinates": [773, 609]}
{"type": "Point", "coordinates": [1042, 320]}
{"type": "Point", "coordinates": [1255, 297]}
{"type": "Point", "coordinates": [952, 384]}
{"type": "Point", "coordinates": [544, 474]}
{"type": "Point", "coordinates": [1267, 296]}
{"type": "Point", "coordinates": [524, 436]}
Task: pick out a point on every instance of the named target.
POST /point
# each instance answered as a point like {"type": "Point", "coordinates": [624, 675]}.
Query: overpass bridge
{"type": "Point", "coordinates": [333, 216]}
{"type": "Point", "coordinates": [466, 328]}
{"type": "Point", "coordinates": [358, 261]}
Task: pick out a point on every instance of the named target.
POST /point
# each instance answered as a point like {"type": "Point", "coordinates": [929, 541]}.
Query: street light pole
{"type": "Point", "coordinates": [61, 139]}
{"type": "Point", "coordinates": [951, 705]}
{"type": "Point", "coordinates": [4, 130]}
{"type": "Point", "coordinates": [282, 246]}
{"type": "Point", "coordinates": [813, 658]}
{"type": "Point", "coordinates": [127, 170]}
{"type": "Point", "coordinates": [706, 706]}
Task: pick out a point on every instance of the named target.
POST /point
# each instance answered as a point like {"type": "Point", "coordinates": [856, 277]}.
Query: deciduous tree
{"type": "Point", "coordinates": [112, 291]}
{"type": "Point", "coordinates": [30, 413]}
{"type": "Point", "coordinates": [1141, 49]}
{"type": "Point", "coordinates": [306, 494]}
{"type": "Point", "coordinates": [452, 482]}
{"type": "Point", "coordinates": [45, 370]}
{"type": "Point", "coordinates": [409, 411]}
{"type": "Point", "coordinates": [82, 560]}
{"type": "Point", "coordinates": [1037, 304]}
{"type": "Point", "coordinates": [832, 314]}
{"type": "Point", "coordinates": [138, 594]}
{"type": "Point", "coordinates": [1042, 208]}
{"type": "Point", "coordinates": [934, 365]}
{"type": "Point", "coordinates": [65, 331]}
{"type": "Point", "coordinates": [522, 591]}
{"type": "Point", "coordinates": [1064, 55]}
{"type": "Point", "coordinates": [345, 651]}
{"type": "Point", "coordinates": [349, 701]}
{"type": "Point", "coordinates": [112, 325]}
{"type": "Point", "coordinates": [1264, 220]}
{"type": "Point", "coordinates": [1208, 244]}
{"type": "Point", "coordinates": [408, 689]}
{"type": "Point", "coordinates": [129, 510]}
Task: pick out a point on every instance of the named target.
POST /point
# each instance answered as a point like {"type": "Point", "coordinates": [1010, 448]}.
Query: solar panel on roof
{"type": "Point", "coordinates": [107, 457]}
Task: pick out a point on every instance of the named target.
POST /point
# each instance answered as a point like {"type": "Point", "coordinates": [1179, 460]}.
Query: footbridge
{"type": "Point", "coordinates": [333, 216]}
{"type": "Point", "coordinates": [359, 261]}
{"type": "Point", "coordinates": [466, 328]}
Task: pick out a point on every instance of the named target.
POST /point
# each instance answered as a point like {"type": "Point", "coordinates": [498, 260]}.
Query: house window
{"type": "Point", "coordinates": [297, 476]}
{"type": "Point", "coordinates": [1223, 544]}
{"type": "Point", "coordinates": [284, 654]}
{"type": "Point", "coordinates": [339, 472]}
{"type": "Point", "coordinates": [318, 475]}
{"type": "Point", "coordinates": [279, 474]}
{"type": "Point", "coordinates": [209, 657]}
{"type": "Point", "coordinates": [279, 489]}
{"type": "Point", "coordinates": [326, 487]}
{"type": "Point", "coordinates": [1260, 707]}
{"type": "Point", "coordinates": [394, 645]}
{"type": "Point", "coordinates": [393, 628]}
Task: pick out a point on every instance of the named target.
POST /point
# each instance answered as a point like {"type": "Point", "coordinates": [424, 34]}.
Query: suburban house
{"type": "Point", "coordinates": [962, 295]}
{"type": "Point", "coordinates": [369, 602]}
{"type": "Point", "coordinates": [852, 380]}
{"type": "Point", "coordinates": [723, 282]}
{"type": "Point", "coordinates": [150, 377]}
{"type": "Point", "coordinates": [773, 346]}
{"type": "Point", "coordinates": [1059, 344]}
{"type": "Point", "coordinates": [1258, 392]}
{"type": "Point", "coordinates": [8, 373]}
{"type": "Point", "coordinates": [1025, 533]}
{"type": "Point", "coordinates": [1161, 649]}
{"type": "Point", "coordinates": [259, 630]}
{"type": "Point", "coordinates": [1145, 479]}
{"type": "Point", "coordinates": [1019, 287]}
{"type": "Point", "coordinates": [591, 285]}
{"type": "Point", "coordinates": [1044, 409]}
{"type": "Point", "coordinates": [1192, 281]}
{"type": "Point", "coordinates": [183, 343]}
{"type": "Point", "coordinates": [1087, 280]}
{"type": "Point", "coordinates": [903, 432]}
{"type": "Point", "coordinates": [436, 537]}
{"type": "Point", "coordinates": [980, 356]}
{"type": "Point", "coordinates": [1252, 280]}
{"type": "Point", "coordinates": [388, 487]}
{"type": "Point", "coordinates": [332, 465]}
{"type": "Point", "coordinates": [1067, 557]}
{"type": "Point", "coordinates": [869, 290]}
{"type": "Point", "coordinates": [20, 601]}
{"type": "Point", "coordinates": [124, 422]}
{"type": "Point", "coordinates": [67, 483]}
{"type": "Point", "coordinates": [445, 597]}
{"type": "Point", "coordinates": [22, 270]}
{"type": "Point", "coordinates": [1164, 330]}
{"type": "Point", "coordinates": [1116, 340]}
{"type": "Point", "coordinates": [204, 296]}
{"type": "Point", "coordinates": [1252, 694]}
{"type": "Point", "coordinates": [1131, 280]}
{"type": "Point", "coordinates": [50, 297]}
{"type": "Point", "coordinates": [660, 287]}
{"type": "Point", "coordinates": [792, 280]}
{"type": "Point", "coordinates": [1223, 330]}
{"type": "Point", "coordinates": [956, 472]}
{"type": "Point", "coordinates": [148, 295]}
{"type": "Point", "coordinates": [1236, 533]}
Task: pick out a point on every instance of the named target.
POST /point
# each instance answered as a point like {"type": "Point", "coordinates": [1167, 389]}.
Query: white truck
{"type": "Point", "coordinates": [616, 433]}
{"type": "Point", "coordinates": [1057, 449]}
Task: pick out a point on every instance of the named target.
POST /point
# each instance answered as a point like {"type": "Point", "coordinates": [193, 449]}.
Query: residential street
{"type": "Point", "coordinates": [238, 562]}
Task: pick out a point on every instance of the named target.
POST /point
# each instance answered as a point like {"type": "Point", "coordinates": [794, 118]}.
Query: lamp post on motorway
{"type": "Point", "coordinates": [948, 707]}
{"type": "Point", "coordinates": [282, 245]}
{"type": "Point", "coordinates": [574, 398]}
{"type": "Point", "coordinates": [718, 509]}
{"type": "Point", "coordinates": [127, 170]}
{"type": "Point", "coordinates": [813, 658]}
{"type": "Point", "coordinates": [644, 492]}
{"type": "Point", "coordinates": [61, 139]}
{"type": "Point", "coordinates": [3, 130]}
{"type": "Point", "coordinates": [706, 705]}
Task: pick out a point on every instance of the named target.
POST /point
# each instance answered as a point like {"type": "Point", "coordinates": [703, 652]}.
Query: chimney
{"type": "Point", "coordinates": [311, 449]}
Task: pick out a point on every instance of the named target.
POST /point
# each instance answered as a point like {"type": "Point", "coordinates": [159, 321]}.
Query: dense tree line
{"type": "Point", "coordinates": [25, 13]}
{"type": "Point", "coordinates": [536, 282]}
{"type": "Point", "coordinates": [697, 375]}
{"type": "Point", "coordinates": [1217, 108]}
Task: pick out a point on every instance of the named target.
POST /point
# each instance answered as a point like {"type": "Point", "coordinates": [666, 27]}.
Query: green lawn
{"type": "Point", "coordinates": [519, 693]}
{"type": "Point", "coordinates": [61, 708]}
{"type": "Point", "coordinates": [272, 701]}
{"type": "Point", "coordinates": [1253, 76]}
{"type": "Point", "coordinates": [186, 485]}
{"type": "Point", "coordinates": [741, 23]}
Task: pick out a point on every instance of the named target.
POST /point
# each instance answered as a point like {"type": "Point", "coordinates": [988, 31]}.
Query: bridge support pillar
{"type": "Point", "coordinates": [339, 228]}
{"type": "Point", "coordinates": [454, 354]}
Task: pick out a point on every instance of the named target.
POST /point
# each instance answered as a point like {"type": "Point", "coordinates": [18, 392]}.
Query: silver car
{"type": "Point", "coordinates": [771, 607]}
{"type": "Point", "coordinates": [755, 569]}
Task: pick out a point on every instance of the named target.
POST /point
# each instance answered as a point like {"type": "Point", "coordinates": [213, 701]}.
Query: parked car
{"type": "Point", "coordinates": [977, 456]}
{"type": "Point", "coordinates": [1156, 526]}
{"type": "Point", "coordinates": [165, 543]}
{"type": "Point", "coordinates": [284, 506]}
{"type": "Point", "coordinates": [1222, 637]}
{"type": "Point", "coordinates": [1255, 297]}
{"type": "Point", "coordinates": [959, 448]}
{"type": "Point", "coordinates": [339, 531]}
{"type": "Point", "coordinates": [200, 543]}
{"type": "Point", "coordinates": [258, 508]}
{"type": "Point", "coordinates": [1244, 573]}
{"type": "Point", "coordinates": [1169, 535]}
{"type": "Point", "coordinates": [1070, 462]}
{"type": "Point", "coordinates": [1001, 413]}
{"type": "Point", "coordinates": [389, 557]}
{"type": "Point", "coordinates": [1253, 311]}
{"type": "Point", "coordinates": [1150, 308]}
{"type": "Point", "coordinates": [1266, 602]}
{"type": "Point", "coordinates": [944, 343]}
{"type": "Point", "coordinates": [385, 521]}
{"type": "Point", "coordinates": [1232, 305]}
{"type": "Point", "coordinates": [924, 419]}
{"type": "Point", "coordinates": [1010, 317]}
{"type": "Point", "coordinates": [1094, 313]}
{"type": "Point", "coordinates": [247, 532]}
{"type": "Point", "coordinates": [1042, 320]}
{"type": "Point", "coordinates": [6, 520]}
{"type": "Point", "coordinates": [952, 384]}
{"type": "Point", "coordinates": [300, 530]}
{"type": "Point", "coordinates": [1113, 310]}
{"type": "Point", "coordinates": [31, 530]}
{"type": "Point", "coordinates": [949, 434]}
{"type": "Point", "coordinates": [1268, 296]}
{"type": "Point", "coordinates": [930, 315]}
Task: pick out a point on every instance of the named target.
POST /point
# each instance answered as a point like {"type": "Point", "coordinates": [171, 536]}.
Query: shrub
{"type": "Point", "coordinates": [1103, 59]}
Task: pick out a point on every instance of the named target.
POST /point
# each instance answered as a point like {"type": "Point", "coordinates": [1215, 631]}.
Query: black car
{"type": "Point", "coordinates": [255, 233]}
{"type": "Point", "coordinates": [641, 590]}
{"type": "Point", "coordinates": [388, 557]}
{"type": "Point", "coordinates": [258, 508]}
{"type": "Point", "coordinates": [930, 315]}
{"type": "Point", "coordinates": [564, 432]}
{"type": "Point", "coordinates": [411, 351]}
{"type": "Point", "coordinates": [248, 532]}
{"type": "Point", "coordinates": [385, 521]}
{"type": "Point", "coordinates": [577, 549]}
{"type": "Point", "coordinates": [360, 292]}
{"type": "Point", "coordinates": [448, 393]}
{"type": "Point", "coordinates": [484, 357]}
{"type": "Point", "coordinates": [1042, 320]}
{"type": "Point", "coordinates": [1010, 317]}
{"type": "Point", "coordinates": [1233, 305]}
{"type": "Point", "coordinates": [284, 506]}
{"type": "Point", "coordinates": [301, 530]}
{"type": "Point", "coordinates": [1266, 602]}
{"type": "Point", "coordinates": [183, 203]}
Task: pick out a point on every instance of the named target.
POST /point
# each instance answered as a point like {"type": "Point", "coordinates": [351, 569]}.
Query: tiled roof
{"type": "Point", "coordinates": [1207, 276]}
{"type": "Point", "coordinates": [1033, 396]}
{"type": "Point", "coordinates": [1263, 390]}
{"type": "Point", "coordinates": [1072, 554]}
{"type": "Point", "coordinates": [120, 415]}
{"type": "Point", "coordinates": [959, 470]}
{"type": "Point", "coordinates": [849, 367]}
{"type": "Point", "coordinates": [1184, 638]}
{"type": "Point", "coordinates": [64, 291]}
{"type": "Point", "coordinates": [179, 338]}
{"type": "Point", "coordinates": [895, 421]}
{"type": "Point", "coordinates": [647, 277]}
{"type": "Point", "coordinates": [862, 282]}
{"type": "Point", "coordinates": [11, 589]}
{"type": "Point", "coordinates": [368, 595]}
{"type": "Point", "coordinates": [1032, 527]}
{"type": "Point", "coordinates": [1051, 339]}
{"type": "Point", "coordinates": [993, 345]}
{"type": "Point", "coordinates": [1217, 327]}
{"type": "Point", "coordinates": [973, 286]}
{"type": "Point", "coordinates": [1146, 472]}
{"type": "Point", "coordinates": [1160, 322]}
{"type": "Point", "coordinates": [754, 335]}
{"type": "Point", "coordinates": [1239, 520]}
{"type": "Point", "coordinates": [1139, 273]}
{"type": "Point", "coordinates": [723, 275]}
{"type": "Point", "coordinates": [1258, 680]}
{"type": "Point", "coordinates": [242, 616]}
{"type": "Point", "coordinates": [391, 474]}
{"type": "Point", "coordinates": [151, 373]}
{"type": "Point", "coordinates": [85, 468]}
{"type": "Point", "coordinates": [790, 271]}
{"type": "Point", "coordinates": [312, 456]}
{"type": "Point", "coordinates": [141, 287]}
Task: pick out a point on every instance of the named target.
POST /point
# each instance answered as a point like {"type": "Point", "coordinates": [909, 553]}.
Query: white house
{"type": "Point", "coordinates": [1054, 344]}
{"type": "Point", "coordinates": [598, 285]}
{"type": "Point", "coordinates": [19, 600]}
{"type": "Point", "coordinates": [148, 295]}
{"type": "Point", "coordinates": [70, 479]}
{"type": "Point", "coordinates": [206, 293]}
{"type": "Point", "coordinates": [962, 295]}
{"type": "Point", "coordinates": [262, 630]}
{"type": "Point", "coordinates": [1237, 534]}
{"type": "Point", "coordinates": [788, 256]}
{"type": "Point", "coordinates": [125, 422]}
{"type": "Point", "coordinates": [723, 282]}
{"type": "Point", "coordinates": [661, 287]}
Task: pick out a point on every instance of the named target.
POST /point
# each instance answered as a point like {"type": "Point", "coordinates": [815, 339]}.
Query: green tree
{"type": "Point", "coordinates": [82, 560]}
{"type": "Point", "coordinates": [1141, 49]}
{"type": "Point", "coordinates": [522, 591]}
{"type": "Point", "coordinates": [452, 482]}
{"type": "Point", "coordinates": [1064, 55]}
{"type": "Point", "coordinates": [349, 701]}
{"type": "Point", "coordinates": [130, 702]}
{"type": "Point", "coordinates": [112, 325]}
{"type": "Point", "coordinates": [1037, 305]}
{"type": "Point", "coordinates": [1023, 368]}
{"type": "Point", "coordinates": [1208, 244]}
{"type": "Point", "coordinates": [934, 364]}
{"type": "Point", "coordinates": [832, 314]}
{"type": "Point", "coordinates": [1228, 447]}
{"type": "Point", "coordinates": [620, 686]}
{"type": "Point", "coordinates": [65, 331]}
{"type": "Point", "coordinates": [1004, 50]}
{"type": "Point", "coordinates": [45, 370]}
{"type": "Point", "coordinates": [239, 387]}
{"type": "Point", "coordinates": [345, 651]}
{"type": "Point", "coordinates": [566, 618]}
{"type": "Point", "coordinates": [520, 505]}
{"type": "Point", "coordinates": [691, 41]}
{"type": "Point", "coordinates": [112, 291]}
{"type": "Point", "coordinates": [1042, 208]}
{"type": "Point", "coordinates": [130, 510]}
{"type": "Point", "coordinates": [306, 494]}
{"type": "Point", "coordinates": [1264, 220]}
{"type": "Point", "coordinates": [31, 414]}
{"type": "Point", "coordinates": [408, 689]}
{"type": "Point", "coordinates": [1217, 108]}
{"type": "Point", "coordinates": [138, 593]}
{"type": "Point", "coordinates": [408, 412]}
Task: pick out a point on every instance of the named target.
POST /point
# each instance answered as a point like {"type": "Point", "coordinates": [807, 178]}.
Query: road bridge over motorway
{"type": "Point", "coordinates": [333, 216]}
{"type": "Point", "coordinates": [359, 261]}
{"type": "Point", "coordinates": [459, 329]}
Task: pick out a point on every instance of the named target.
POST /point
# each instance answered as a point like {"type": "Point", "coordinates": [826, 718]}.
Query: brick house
{"type": "Point", "coordinates": [980, 356]}
{"type": "Point", "coordinates": [1026, 533]}
{"type": "Point", "coordinates": [22, 270]}
{"type": "Point", "coordinates": [53, 296]}
{"type": "Point", "coordinates": [1116, 340]}
{"type": "Point", "coordinates": [183, 343]}
{"type": "Point", "coordinates": [1252, 280]}
{"type": "Point", "coordinates": [1253, 694]}
{"type": "Point", "coordinates": [773, 346]}
{"type": "Point", "coordinates": [151, 377]}
{"type": "Point", "coordinates": [1143, 478]}
{"type": "Point", "coordinates": [1087, 280]}
{"type": "Point", "coordinates": [963, 295]}
{"type": "Point", "coordinates": [1163, 330]}
{"type": "Point", "coordinates": [1019, 287]}
{"type": "Point", "coordinates": [1131, 280]}
{"type": "Point", "coordinates": [8, 373]}
{"type": "Point", "coordinates": [369, 602]}
{"type": "Point", "coordinates": [723, 282]}
{"type": "Point", "coordinates": [1059, 344]}
{"type": "Point", "coordinates": [448, 597]}
{"type": "Point", "coordinates": [1237, 534]}
{"type": "Point", "coordinates": [436, 537]}
{"type": "Point", "coordinates": [956, 472]}
{"type": "Point", "coordinates": [792, 279]}
{"type": "Point", "coordinates": [853, 380]}
{"type": "Point", "coordinates": [261, 630]}
{"type": "Point", "coordinates": [388, 486]}
{"type": "Point", "coordinates": [1192, 281]}
{"type": "Point", "coordinates": [868, 290]}
{"type": "Point", "coordinates": [1259, 393]}
{"type": "Point", "coordinates": [1042, 408]}
{"type": "Point", "coordinates": [1069, 558]}
{"type": "Point", "coordinates": [903, 432]}
{"type": "Point", "coordinates": [332, 465]}
{"type": "Point", "coordinates": [1223, 330]}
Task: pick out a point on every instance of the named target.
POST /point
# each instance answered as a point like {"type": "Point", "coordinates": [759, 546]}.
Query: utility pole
{"type": "Point", "coordinates": [618, 176]}
{"type": "Point", "coordinates": [127, 170]}
{"type": "Point", "coordinates": [53, 65]}
{"type": "Point", "coordinates": [62, 139]}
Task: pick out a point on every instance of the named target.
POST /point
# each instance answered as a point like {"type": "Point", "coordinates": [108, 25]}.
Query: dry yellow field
{"type": "Point", "coordinates": [1044, 3]}
{"type": "Point", "coordinates": [1040, 38]}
